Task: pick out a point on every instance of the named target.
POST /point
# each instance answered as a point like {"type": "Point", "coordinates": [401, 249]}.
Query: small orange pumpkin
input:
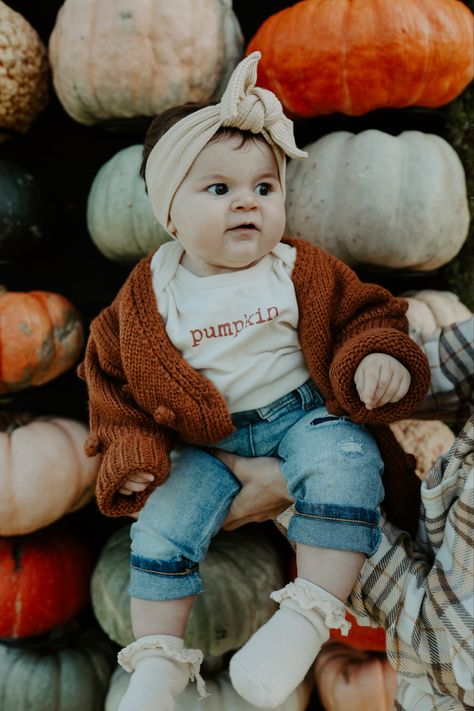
{"type": "Point", "coordinates": [353, 56]}
{"type": "Point", "coordinates": [41, 336]}
{"type": "Point", "coordinates": [349, 678]}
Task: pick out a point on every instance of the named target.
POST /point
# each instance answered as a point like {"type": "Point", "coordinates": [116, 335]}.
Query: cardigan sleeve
{"type": "Point", "coordinates": [128, 438]}
{"type": "Point", "coordinates": [369, 319]}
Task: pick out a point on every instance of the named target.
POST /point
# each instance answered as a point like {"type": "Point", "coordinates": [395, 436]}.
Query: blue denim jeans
{"type": "Point", "coordinates": [332, 467]}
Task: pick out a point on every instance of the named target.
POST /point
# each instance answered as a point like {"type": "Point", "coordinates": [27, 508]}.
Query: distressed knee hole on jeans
{"type": "Point", "coordinates": [351, 447]}
{"type": "Point", "coordinates": [318, 420]}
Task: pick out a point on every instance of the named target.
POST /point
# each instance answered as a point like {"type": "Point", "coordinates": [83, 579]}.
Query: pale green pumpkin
{"type": "Point", "coordinates": [72, 675]}
{"type": "Point", "coordinates": [222, 697]}
{"type": "Point", "coordinates": [238, 574]}
{"type": "Point", "coordinates": [120, 218]}
{"type": "Point", "coordinates": [397, 202]}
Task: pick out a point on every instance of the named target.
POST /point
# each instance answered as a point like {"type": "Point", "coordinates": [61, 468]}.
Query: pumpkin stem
{"type": "Point", "coordinates": [10, 421]}
{"type": "Point", "coordinates": [3, 290]}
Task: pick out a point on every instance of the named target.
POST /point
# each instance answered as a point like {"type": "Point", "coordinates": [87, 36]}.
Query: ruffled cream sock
{"type": "Point", "coordinates": [161, 667]}
{"type": "Point", "coordinates": [277, 657]}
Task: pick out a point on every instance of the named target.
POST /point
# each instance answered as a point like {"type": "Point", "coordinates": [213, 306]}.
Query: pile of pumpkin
{"type": "Point", "coordinates": [391, 202]}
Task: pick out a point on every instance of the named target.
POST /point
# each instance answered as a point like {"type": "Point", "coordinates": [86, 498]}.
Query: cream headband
{"type": "Point", "coordinates": [243, 106]}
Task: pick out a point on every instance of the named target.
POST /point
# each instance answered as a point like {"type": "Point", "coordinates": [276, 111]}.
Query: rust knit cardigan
{"type": "Point", "coordinates": [143, 396]}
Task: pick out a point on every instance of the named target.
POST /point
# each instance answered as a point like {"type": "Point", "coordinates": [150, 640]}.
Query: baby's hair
{"type": "Point", "coordinates": [166, 119]}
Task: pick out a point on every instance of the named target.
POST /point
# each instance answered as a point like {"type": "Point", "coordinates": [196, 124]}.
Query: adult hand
{"type": "Point", "coordinates": [264, 493]}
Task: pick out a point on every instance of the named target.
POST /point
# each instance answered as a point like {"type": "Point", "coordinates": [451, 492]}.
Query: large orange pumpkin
{"type": "Point", "coordinates": [44, 469]}
{"type": "Point", "coordinates": [353, 56]}
{"type": "Point", "coordinates": [41, 336]}
{"type": "Point", "coordinates": [44, 580]}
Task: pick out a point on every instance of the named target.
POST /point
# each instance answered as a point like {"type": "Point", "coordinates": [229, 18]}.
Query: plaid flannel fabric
{"type": "Point", "coordinates": [450, 352]}
{"type": "Point", "coordinates": [422, 591]}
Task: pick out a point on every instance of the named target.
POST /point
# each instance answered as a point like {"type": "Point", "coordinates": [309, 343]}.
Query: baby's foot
{"type": "Point", "coordinates": [161, 667]}
{"type": "Point", "coordinates": [277, 657]}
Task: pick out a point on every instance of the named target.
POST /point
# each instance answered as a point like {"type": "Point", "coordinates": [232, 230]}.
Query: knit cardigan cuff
{"type": "Point", "coordinates": [123, 458]}
{"type": "Point", "coordinates": [379, 340]}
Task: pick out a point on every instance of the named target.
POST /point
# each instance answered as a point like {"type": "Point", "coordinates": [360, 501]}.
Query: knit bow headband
{"type": "Point", "coordinates": [243, 106]}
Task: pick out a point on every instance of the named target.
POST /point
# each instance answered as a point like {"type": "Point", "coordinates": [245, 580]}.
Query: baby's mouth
{"type": "Point", "coordinates": [244, 226]}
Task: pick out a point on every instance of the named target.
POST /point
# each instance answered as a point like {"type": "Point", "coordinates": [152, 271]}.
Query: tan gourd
{"type": "Point", "coordinates": [24, 72]}
{"type": "Point", "coordinates": [426, 440]}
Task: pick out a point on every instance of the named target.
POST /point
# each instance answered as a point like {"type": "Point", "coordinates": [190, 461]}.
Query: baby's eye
{"type": "Point", "coordinates": [263, 189]}
{"type": "Point", "coordinates": [218, 189]}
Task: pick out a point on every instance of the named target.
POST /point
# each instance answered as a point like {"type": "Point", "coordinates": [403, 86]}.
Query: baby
{"type": "Point", "coordinates": [232, 338]}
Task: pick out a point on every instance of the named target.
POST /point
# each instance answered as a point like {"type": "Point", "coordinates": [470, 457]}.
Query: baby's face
{"type": "Point", "coordinates": [229, 211]}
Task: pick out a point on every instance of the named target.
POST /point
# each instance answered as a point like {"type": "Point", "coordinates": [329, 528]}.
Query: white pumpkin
{"type": "Point", "coordinates": [120, 218]}
{"type": "Point", "coordinates": [119, 58]}
{"type": "Point", "coordinates": [44, 471]}
{"type": "Point", "coordinates": [222, 697]}
{"type": "Point", "coordinates": [398, 202]}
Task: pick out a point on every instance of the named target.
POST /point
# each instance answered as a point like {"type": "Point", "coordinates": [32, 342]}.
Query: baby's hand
{"type": "Point", "coordinates": [379, 379]}
{"type": "Point", "coordinates": [138, 481]}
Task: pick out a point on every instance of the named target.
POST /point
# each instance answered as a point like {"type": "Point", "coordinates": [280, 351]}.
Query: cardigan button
{"type": "Point", "coordinates": [164, 416]}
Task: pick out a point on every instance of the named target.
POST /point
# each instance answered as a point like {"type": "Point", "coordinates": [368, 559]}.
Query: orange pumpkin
{"type": "Point", "coordinates": [44, 469]}
{"type": "Point", "coordinates": [353, 56]}
{"type": "Point", "coordinates": [41, 336]}
{"type": "Point", "coordinates": [348, 678]}
{"type": "Point", "coordinates": [45, 580]}
{"type": "Point", "coordinates": [368, 638]}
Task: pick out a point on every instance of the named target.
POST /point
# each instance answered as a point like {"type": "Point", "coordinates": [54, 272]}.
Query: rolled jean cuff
{"type": "Point", "coordinates": [345, 528]}
{"type": "Point", "coordinates": [163, 580]}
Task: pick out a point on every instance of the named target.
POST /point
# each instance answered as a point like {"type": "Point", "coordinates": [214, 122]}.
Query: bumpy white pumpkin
{"type": "Point", "coordinates": [430, 309]}
{"type": "Point", "coordinates": [372, 198]}
{"type": "Point", "coordinates": [122, 58]}
{"type": "Point", "coordinates": [222, 695]}
{"type": "Point", "coordinates": [120, 218]}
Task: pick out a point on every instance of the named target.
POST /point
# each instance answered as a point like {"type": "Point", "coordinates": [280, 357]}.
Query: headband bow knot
{"type": "Point", "coordinates": [243, 106]}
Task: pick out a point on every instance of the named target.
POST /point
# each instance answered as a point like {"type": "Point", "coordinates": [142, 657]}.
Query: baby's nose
{"type": "Point", "coordinates": [246, 200]}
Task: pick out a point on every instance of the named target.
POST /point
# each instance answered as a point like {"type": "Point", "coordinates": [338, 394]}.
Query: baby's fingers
{"type": "Point", "coordinates": [391, 389]}
{"type": "Point", "coordinates": [374, 385]}
{"type": "Point", "coordinates": [136, 482]}
{"type": "Point", "coordinates": [403, 388]}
